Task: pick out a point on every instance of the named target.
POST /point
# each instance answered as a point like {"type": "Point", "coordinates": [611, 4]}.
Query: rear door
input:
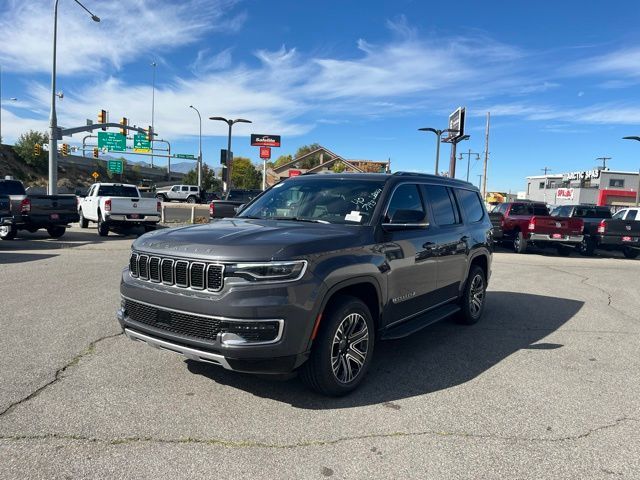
{"type": "Point", "coordinates": [410, 254]}
{"type": "Point", "coordinates": [449, 239]}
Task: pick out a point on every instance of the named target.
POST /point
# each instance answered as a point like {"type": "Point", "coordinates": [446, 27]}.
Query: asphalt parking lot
{"type": "Point", "coordinates": [547, 385]}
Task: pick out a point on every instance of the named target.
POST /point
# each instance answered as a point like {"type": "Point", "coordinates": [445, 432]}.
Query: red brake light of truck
{"type": "Point", "coordinates": [107, 205]}
{"type": "Point", "coordinates": [532, 224]}
{"type": "Point", "coordinates": [159, 206]}
{"type": "Point", "coordinates": [25, 206]}
{"type": "Point", "coordinates": [602, 227]}
{"type": "Point", "coordinates": [212, 209]}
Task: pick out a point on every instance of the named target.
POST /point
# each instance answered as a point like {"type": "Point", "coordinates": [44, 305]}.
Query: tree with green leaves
{"type": "Point", "coordinates": [209, 181]}
{"type": "Point", "coordinates": [281, 160]}
{"type": "Point", "coordinates": [311, 161]}
{"type": "Point", "coordinates": [25, 148]}
{"type": "Point", "coordinates": [244, 174]}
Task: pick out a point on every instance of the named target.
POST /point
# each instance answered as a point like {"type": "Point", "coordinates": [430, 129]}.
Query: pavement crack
{"type": "Point", "coordinates": [307, 443]}
{"type": "Point", "coordinates": [59, 373]}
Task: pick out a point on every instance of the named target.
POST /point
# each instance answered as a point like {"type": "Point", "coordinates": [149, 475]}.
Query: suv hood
{"type": "Point", "coordinates": [237, 239]}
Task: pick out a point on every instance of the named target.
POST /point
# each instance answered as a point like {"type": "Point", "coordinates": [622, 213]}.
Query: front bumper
{"type": "Point", "coordinates": [541, 237]}
{"type": "Point", "coordinates": [295, 304]}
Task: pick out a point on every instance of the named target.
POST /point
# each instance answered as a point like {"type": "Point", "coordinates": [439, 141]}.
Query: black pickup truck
{"type": "Point", "coordinates": [602, 230]}
{"type": "Point", "coordinates": [228, 206]}
{"type": "Point", "coordinates": [33, 212]}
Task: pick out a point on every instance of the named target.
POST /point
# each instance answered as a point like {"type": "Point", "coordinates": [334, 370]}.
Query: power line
{"type": "Point", "coordinates": [545, 170]}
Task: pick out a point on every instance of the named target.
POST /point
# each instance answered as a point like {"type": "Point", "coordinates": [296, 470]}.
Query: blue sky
{"type": "Point", "coordinates": [559, 78]}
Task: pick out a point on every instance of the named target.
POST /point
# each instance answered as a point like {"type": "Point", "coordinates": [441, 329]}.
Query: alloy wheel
{"type": "Point", "coordinates": [476, 295]}
{"type": "Point", "coordinates": [349, 348]}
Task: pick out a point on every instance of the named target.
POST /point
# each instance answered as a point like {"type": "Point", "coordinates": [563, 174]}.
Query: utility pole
{"type": "Point", "coordinates": [545, 170]}
{"type": "Point", "coordinates": [480, 182]}
{"type": "Point", "coordinates": [604, 161]}
{"type": "Point", "coordinates": [486, 158]}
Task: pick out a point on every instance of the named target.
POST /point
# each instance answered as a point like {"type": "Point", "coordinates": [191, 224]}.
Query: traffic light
{"type": "Point", "coordinates": [96, 152]}
{"type": "Point", "coordinates": [124, 122]}
{"type": "Point", "coordinates": [102, 117]}
{"type": "Point", "coordinates": [150, 133]}
{"type": "Point", "coordinates": [37, 149]}
{"type": "Point", "coordinates": [65, 149]}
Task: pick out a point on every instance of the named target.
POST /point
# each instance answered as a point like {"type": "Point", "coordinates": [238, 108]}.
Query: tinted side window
{"type": "Point", "coordinates": [619, 215]}
{"type": "Point", "coordinates": [540, 210]}
{"type": "Point", "coordinates": [405, 197]}
{"type": "Point", "coordinates": [443, 206]}
{"type": "Point", "coordinates": [632, 215]}
{"type": "Point", "coordinates": [518, 209]}
{"type": "Point", "coordinates": [185, 189]}
{"type": "Point", "coordinates": [471, 205]}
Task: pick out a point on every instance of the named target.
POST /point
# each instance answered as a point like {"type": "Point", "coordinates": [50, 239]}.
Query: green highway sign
{"type": "Point", "coordinates": [112, 141]}
{"type": "Point", "coordinates": [115, 166]}
{"type": "Point", "coordinates": [140, 143]}
{"type": "Point", "coordinates": [185, 155]}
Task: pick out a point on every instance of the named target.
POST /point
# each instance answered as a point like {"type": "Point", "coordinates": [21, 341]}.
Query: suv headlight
{"type": "Point", "coordinates": [267, 271]}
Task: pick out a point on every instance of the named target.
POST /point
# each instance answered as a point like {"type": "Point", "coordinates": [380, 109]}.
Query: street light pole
{"type": "Point", "coordinates": [229, 122]}
{"type": "Point", "coordinates": [438, 140]}
{"type": "Point", "coordinates": [52, 188]}
{"type": "Point", "coordinates": [153, 106]}
{"type": "Point", "coordinates": [199, 149]}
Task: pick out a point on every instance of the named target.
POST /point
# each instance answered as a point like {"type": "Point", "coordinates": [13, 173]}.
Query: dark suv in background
{"type": "Point", "coordinates": [311, 274]}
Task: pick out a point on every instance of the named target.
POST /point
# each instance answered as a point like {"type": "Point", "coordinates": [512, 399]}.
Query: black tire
{"type": "Point", "coordinates": [149, 228]}
{"type": "Point", "coordinates": [564, 250]}
{"type": "Point", "coordinates": [629, 252]}
{"type": "Point", "coordinates": [328, 350]}
{"type": "Point", "coordinates": [84, 223]}
{"type": "Point", "coordinates": [191, 199]}
{"type": "Point", "coordinates": [161, 197]}
{"type": "Point", "coordinates": [474, 296]}
{"type": "Point", "coordinates": [8, 232]}
{"type": "Point", "coordinates": [103, 227]}
{"type": "Point", "coordinates": [587, 247]}
{"type": "Point", "coordinates": [519, 243]}
{"type": "Point", "coordinates": [56, 231]}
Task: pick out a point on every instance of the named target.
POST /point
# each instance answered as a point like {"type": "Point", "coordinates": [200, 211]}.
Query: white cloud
{"type": "Point", "coordinates": [127, 31]}
{"type": "Point", "coordinates": [624, 62]}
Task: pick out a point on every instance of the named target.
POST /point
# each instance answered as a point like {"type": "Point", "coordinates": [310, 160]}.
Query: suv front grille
{"type": "Point", "coordinates": [181, 273]}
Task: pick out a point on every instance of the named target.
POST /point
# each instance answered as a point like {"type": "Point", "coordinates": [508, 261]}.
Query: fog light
{"type": "Point", "coordinates": [242, 333]}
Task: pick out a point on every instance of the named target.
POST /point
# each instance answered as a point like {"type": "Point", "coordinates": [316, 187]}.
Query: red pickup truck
{"type": "Point", "coordinates": [528, 223]}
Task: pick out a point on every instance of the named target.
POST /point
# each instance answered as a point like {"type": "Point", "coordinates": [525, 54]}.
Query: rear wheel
{"type": "Point", "coordinates": [56, 231]}
{"type": "Point", "coordinates": [103, 227]}
{"type": "Point", "coordinates": [149, 228]}
{"type": "Point", "coordinates": [191, 199]}
{"type": "Point", "coordinates": [473, 298]}
{"type": "Point", "coordinates": [630, 252]}
{"type": "Point", "coordinates": [84, 223]}
{"type": "Point", "coordinates": [586, 247]}
{"type": "Point", "coordinates": [343, 349]}
{"type": "Point", "coordinates": [8, 232]}
{"type": "Point", "coordinates": [161, 197]}
{"type": "Point", "coordinates": [519, 243]}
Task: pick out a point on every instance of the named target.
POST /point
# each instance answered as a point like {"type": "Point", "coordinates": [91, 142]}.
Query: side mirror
{"type": "Point", "coordinates": [405, 220]}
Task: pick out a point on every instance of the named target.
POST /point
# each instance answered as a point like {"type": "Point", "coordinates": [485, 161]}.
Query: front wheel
{"type": "Point", "coordinates": [630, 252]}
{"type": "Point", "coordinates": [473, 298]}
{"type": "Point", "coordinates": [343, 349]}
{"type": "Point", "coordinates": [8, 232]}
{"type": "Point", "coordinates": [56, 231]}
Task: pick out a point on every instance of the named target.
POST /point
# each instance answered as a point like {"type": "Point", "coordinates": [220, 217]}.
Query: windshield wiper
{"type": "Point", "coordinates": [298, 219]}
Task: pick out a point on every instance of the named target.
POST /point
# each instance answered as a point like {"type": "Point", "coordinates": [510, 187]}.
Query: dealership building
{"type": "Point", "coordinates": [597, 187]}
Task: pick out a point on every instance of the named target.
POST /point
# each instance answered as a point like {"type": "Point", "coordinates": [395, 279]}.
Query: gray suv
{"type": "Point", "coordinates": [311, 274]}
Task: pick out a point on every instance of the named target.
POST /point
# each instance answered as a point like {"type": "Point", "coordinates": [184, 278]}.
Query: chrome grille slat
{"type": "Point", "coordinates": [196, 275]}
{"type": "Point", "coordinates": [143, 267]}
{"type": "Point", "coordinates": [154, 269]}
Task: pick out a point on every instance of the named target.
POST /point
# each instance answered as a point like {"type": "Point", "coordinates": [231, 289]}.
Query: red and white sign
{"type": "Point", "coordinates": [294, 173]}
{"type": "Point", "coordinates": [265, 152]}
{"type": "Point", "coordinates": [565, 193]}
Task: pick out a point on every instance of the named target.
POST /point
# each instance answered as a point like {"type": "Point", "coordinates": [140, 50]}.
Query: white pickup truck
{"type": "Point", "coordinates": [117, 205]}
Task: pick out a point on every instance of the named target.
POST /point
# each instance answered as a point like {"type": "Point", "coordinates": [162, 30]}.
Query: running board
{"type": "Point", "coordinates": [421, 321]}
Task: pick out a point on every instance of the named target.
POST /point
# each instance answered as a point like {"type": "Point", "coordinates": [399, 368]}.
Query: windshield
{"type": "Point", "coordinates": [324, 200]}
{"type": "Point", "coordinates": [118, 191]}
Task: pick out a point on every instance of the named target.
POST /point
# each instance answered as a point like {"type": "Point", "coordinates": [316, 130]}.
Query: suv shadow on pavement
{"type": "Point", "coordinates": [441, 356]}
